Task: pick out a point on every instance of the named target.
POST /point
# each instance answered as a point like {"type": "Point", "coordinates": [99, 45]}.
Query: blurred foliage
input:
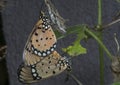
{"type": "Point", "coordinates": [116, 83]}
{"type": "Point", "coordinates": [118, 1]}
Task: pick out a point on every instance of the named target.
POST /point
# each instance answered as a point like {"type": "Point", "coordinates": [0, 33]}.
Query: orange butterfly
{"type": "Point", "coordinates": [48, 66]}
{"type": "Point", "coordinates": [41, 41]}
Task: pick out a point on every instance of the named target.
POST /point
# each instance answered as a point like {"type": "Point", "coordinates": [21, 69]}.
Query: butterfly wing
{"type": "Point", "coordinates": [30, 58]}
{"type": "Point", "coordinates": [41, 41]}
{"type": "Point", "coordinates": [50, 66]}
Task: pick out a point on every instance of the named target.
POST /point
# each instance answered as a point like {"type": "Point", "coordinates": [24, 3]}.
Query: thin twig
{"type": "Point", "coordinates": [113, 22]}
{"type": "Point", "coordinates": [79, 83]}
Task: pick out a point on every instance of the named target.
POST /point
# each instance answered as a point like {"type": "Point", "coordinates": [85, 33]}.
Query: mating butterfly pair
{"type": "Point", "coordinates": [40, 58]}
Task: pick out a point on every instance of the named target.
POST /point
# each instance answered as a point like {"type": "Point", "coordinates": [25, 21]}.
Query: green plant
{"type": "Point", "coordinates": [84, 32]}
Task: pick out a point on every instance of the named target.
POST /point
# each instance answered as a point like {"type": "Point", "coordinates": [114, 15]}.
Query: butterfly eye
{"type": "Point", "coordinates": [49, 66]}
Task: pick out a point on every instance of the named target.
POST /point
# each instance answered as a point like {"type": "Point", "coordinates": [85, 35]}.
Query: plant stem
{"type": "Point", "coordinates": [100, 43]}
{"type": "Point", "coordinates": [101, 52]}
{"type": "Point", "coordinates": [99, 13]}
{"type": "Point", "coordinates": [101, 60]}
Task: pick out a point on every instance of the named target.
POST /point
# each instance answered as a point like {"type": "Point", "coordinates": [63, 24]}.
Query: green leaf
{"type": "Point", "coordinates": [116, 83]}
{"type": "Point", "coordinates": [77, 49]}
{"type": "Point", "coordinates": [70, 30]}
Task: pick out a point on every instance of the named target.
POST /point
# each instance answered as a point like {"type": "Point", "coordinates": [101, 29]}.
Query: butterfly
{"type": "Point", "coordinates": [49, 66]}
{"type": "Point", "coordinates": [41, 41]}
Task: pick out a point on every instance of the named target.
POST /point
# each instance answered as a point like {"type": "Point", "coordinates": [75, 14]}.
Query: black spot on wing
{"type": "Point", "coordinates": [54, 72]}
{"type": "Point", "coordinates": [41, 38]}
{"type": "Point", "coordinates": [36, 34]}
{"type": "Point", "coordinates": [49, 62]}
{"type": "Point", "coordinates": [36, 40]}
{"type": "Point", "coordinates": [46, 38]}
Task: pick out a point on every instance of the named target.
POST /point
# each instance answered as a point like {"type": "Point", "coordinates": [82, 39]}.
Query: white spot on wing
{"type": "Point", "coordinates": [38, 78]}
{"type": "Point", "coordinates": [32, 49]}
{"type": "Point", "coordinates": [44, 54]}
{"type": "Point", "coordinates": [39, 53]}
{"type": "Point", "coordinates": [35, 52]}
{"type": "Point", "coordinates": [54, 46]}
{"type": "Point", "coordinates": [52, 49]}
{"type": "Point", "coordinates": [48, 52]}
{"type": "Point", "coordinates": [33, 70]}
{"type": "Point", "coordinates": [43, 26]}
{"type": "Point", "coordinates": [34, 74]}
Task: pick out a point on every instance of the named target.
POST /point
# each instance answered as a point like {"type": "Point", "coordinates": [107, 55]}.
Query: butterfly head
{"type": "Point", "coordinates": [67, 61]}
{"type": "Point", "coordinates": [42, 14]}
{"type": "Point", "coordinates": [45, 21]}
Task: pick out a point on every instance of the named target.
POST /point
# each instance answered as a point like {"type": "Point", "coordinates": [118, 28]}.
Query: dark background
{"type": "Point", "coordinates": [19, 17]}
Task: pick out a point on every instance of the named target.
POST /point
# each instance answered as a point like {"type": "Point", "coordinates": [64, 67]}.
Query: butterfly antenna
{"type": "Point", "coordinates": [42, 6]}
